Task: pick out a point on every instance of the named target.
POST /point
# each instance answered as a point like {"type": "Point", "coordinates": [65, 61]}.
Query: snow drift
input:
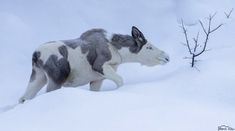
{"type": "Point", "coordinates": [171, 97]}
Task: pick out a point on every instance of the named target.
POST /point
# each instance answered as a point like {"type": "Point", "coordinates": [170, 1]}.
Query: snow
{"type": "Point", "coordinates": [170, 97]}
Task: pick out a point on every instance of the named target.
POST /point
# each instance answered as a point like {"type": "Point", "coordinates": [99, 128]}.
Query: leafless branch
{"type": "Point", "coordinates": [216, 28]}
{"type": "Point", "coordinates": [228, 14]}
{"type": "Point", "coordinates": [196, 43]}
{"type": "Point", "coordinates": [212, 16]}
{"type": "Point", "coordinates": [193, 51]}
{"type": "Point", "coordinates": [207, 36]}
{"type": "Point", "coordinates": [202, 26]}
{"type": "Point", "coordinates": [186, 36]}
{"type": "Point", "coordinates": [208, 32]}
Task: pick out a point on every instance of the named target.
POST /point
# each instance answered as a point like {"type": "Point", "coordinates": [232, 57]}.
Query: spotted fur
{"type": "Point", "coordinates": [57, 69]}
{"type": "Point", "coordinates": [91, 58]}
{"type": "Point", "coordinates": [63, 51]}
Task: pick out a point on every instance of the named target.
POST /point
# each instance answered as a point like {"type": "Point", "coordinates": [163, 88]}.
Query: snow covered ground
{"type": "Point", "coordinates": [161, 98]}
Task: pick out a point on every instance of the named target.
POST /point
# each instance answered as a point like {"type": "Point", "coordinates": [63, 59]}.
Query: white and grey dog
{"type": "Point", "coordinates": [91, 58]}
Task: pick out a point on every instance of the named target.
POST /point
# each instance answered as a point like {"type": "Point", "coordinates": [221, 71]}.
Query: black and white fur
{"type": "Point", "coordinates": [91, 58]}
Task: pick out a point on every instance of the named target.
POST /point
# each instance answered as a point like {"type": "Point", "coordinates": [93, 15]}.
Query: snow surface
{"type": "Point", "coordinates": [161, 98]}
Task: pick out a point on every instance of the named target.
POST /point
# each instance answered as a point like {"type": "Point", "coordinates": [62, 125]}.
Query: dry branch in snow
{"type": "Point", "coordinates": [228, 14]}
{"type": "Point", "coordinates": [195, 49]}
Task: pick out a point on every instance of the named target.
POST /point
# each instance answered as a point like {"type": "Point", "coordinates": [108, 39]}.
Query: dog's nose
{"type": "Point", "coordinates": [167, 59]}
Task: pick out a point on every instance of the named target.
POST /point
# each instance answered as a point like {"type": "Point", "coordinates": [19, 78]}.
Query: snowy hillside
{"type": "Point", "coordinates": [161, 98]}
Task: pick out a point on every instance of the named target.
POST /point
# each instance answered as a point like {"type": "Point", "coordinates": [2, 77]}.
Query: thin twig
{"type": "Point", "coordinates": [216, 28]}
{"type": "Point", "coordinates": [202, 26]}
{"type": "Point", "coordinates": [212, 16]}
{"type": "Point", "coordinates": [196, 43]}
{"type": "Point", "coordinates": [228, 14]}
{"type": "Point", "coordinates": [186, 37]}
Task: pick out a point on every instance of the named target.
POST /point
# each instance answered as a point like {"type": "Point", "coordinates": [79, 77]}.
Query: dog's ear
{"type": "Point", "coordinates": [138, 37]}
